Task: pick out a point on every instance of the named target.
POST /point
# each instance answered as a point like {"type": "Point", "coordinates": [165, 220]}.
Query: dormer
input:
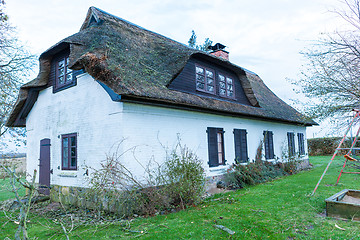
{"type": "Point", "coordinates": [203, 77]}
{"type": "Point", "coordinates": [61, 76]}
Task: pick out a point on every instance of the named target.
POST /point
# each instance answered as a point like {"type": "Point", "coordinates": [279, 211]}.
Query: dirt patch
{"type": "Point", "coordinates": [350, 199]}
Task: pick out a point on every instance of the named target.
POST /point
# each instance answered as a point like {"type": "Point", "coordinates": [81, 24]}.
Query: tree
{"type": "Point", "coordinates": [202, 47]}
{"type": "Point", "coordinates": [331, 79]}
{"type": "Point", "coordinates": [15, 64]}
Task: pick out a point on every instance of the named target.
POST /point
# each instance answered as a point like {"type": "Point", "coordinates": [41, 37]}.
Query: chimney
{"type": "Point", "coordinates": [218, 51]}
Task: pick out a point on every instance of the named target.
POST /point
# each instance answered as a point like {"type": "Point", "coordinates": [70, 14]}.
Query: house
{"type": "Point", "coordinates": [115, 81]}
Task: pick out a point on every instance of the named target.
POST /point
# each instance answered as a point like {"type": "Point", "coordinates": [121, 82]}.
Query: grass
{"type": "Point", "coordinates": [6, 190]}
{"type": "Point", "coordinates": [280, 209]}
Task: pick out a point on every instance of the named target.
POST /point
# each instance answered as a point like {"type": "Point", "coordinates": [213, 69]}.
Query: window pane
{"type": "Point", "coordinates": [61, 71]}
{"type": "Point", "coordinates": [209, 74]}
{"type": "Point", "coordinates": [200, 78]}
{"type": "Point", "coordinates": [73, 141]}
{"type": "Point", "coordinates": [69, 77]}
{"type": "Point", "coordinates": [200, 85]}
{"type": "Point", "coordinates": [65, 142]}
{"type": "Point", "coordinates": [221, 78]}
{"type": "Point", "coordinates": [210, 88]}
{"type": "Point", "coordinates": [230, 93]}
{"type": "Point", "coordinates": [199, 70]}
{"type": "Point", "coordinates": [210, 81]}
{"type": "Point", "coordinates": [73, 152]}
{"type": "Point", "coordinates": [222, 85]}
{"type": "Point", "coordinates": [61, 80]}
{"type": "Point", "coordinates": [229, 87]}
{"type": "Point", "coordinates": [222, 92]}
{"type": "Point", "coordinates": [229, 80]}
{"type": "Point", "coordinates": [65, 157]}
{"type": "Point", "coordinates": [61, 63]}
{"type": "Point", "coordinates": [73, 162]}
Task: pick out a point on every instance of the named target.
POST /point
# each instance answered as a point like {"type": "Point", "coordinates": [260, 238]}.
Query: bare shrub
{"type": "Point", "coordinates": [177, 182]}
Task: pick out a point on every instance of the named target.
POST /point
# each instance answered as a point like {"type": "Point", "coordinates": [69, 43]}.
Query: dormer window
{"type": "Point", "coordinates": [205, 79]}
{"type": "Point", "coordinates": [64, 73]}
{"type": "Point", "coordinates": [64, 77]}
{"type": "Point", "coordinates": [226, 86]}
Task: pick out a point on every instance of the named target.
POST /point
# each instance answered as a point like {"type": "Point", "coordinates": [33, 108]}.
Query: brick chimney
{"type": "Point", "coordinates": [218, 51]}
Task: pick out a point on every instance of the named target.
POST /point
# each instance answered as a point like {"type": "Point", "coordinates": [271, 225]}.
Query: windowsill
{"type": "Point", "coordinates": [219, 169]}
{"type": "Point", "coordinates": [69, 173]}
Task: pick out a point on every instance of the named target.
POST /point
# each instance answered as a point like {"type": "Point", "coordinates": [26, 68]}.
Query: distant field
{"type": "Point", "coordinates": [280, 209]}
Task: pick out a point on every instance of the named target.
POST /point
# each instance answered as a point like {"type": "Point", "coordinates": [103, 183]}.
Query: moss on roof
{"type": "Point", "coordinates": [139, 63]}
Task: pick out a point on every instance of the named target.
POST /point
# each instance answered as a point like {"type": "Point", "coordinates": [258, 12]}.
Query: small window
{"type": "Point", "coordinates": [64, 77]}
{"type": "Point", "coordinates": [291, 143]}
{"type": "Point", "coordinates": [240, 141]}
{"type": "Point", "coordinates": [301, 143]}
{"type": "Point", "coordinates": [69, 151]}
{"type": "Point", "coordinates": [205, 79]}
{"type": "Point", "coordinates": [269, 145]}
{"type": "Point", "coordinates": [226, 86]}
{"type": "Point", "coordinates": [216, 146]}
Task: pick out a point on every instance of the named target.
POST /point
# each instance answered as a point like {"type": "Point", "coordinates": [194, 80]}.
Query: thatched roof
{"type": "Point", "coordinates": [139, 65]}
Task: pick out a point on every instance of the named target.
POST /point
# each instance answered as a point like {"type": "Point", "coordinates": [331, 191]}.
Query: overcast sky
{"type": "Point", "coordinates": [264, 36]}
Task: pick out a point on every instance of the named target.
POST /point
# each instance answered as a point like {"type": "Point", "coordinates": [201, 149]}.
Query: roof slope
{"type": "Point", "coordinates": [139, 64]}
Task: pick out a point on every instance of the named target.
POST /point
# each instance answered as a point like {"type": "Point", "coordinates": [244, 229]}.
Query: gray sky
{"type": "Point", "coordinates": [264, 36]}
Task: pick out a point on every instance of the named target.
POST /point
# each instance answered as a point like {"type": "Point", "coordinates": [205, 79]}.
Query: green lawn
{"type": "Point", "coordinates": [281, 209]}
{"type": "Point", "coordinates": [6, 190]}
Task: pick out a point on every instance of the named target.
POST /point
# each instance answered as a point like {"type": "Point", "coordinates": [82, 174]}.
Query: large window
{"type": "Point", "coordinates": [301, 143]}
{"type": "Point", "coordinates": [205, 79]}
{"type": "Point", "coordinates": [226, 86]}
{"type": "Point", "coordinates": [269, 145]}
{"type": "Point", "coordinates": [291, 143]}
{"type": "Point", "coordinates": [240, 141]}
{"type": "Point", "coordinates": [63, 74]}
{"type": "Point", "coordinates": [216, 146]}
{"type": "Point", "coordinates": [69, 151]}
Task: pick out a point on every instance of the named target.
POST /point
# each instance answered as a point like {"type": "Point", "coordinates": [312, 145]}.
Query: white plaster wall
{"type": "Point", "coordinates": [145, 130]}
{"type": "Point", "coordinates": [85, 109]}
{"type": "Point", "coordinates": [151, 129]}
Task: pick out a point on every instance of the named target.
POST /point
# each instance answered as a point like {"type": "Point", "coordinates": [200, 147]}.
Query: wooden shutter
{"type": "Point", "coordinates": [291, 143]}
{"type": "Point", "coordinates": [212, 146]}
{"type": "Point", "coordinates": [269, 144]}
{"type": "Point", "coordinates": [301, 143]}
{"type": "Point", "coordinates": [240, 141]}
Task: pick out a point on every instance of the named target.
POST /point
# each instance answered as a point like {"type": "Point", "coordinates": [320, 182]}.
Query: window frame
{"type": "Point", "coordinates": [57, 85]}
{"type": "Point", "coordinates": [269, 144]}
{"type": "Point", "coordinates": [226, 76]}
{"type": "Point", "coordinates": [205, 79]}
{"type": "Point", "coordinates": [69, 148]}
{"type": "Point", "coordinates": [213, 147]}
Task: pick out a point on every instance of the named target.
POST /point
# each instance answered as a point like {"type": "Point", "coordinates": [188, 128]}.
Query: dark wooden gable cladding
{"type": "Point", "coordinates": [185, 81]}
{"type": "Point", "coordinates": [52, 76]}
{"type": "Point", "coordinates": [240, 141]}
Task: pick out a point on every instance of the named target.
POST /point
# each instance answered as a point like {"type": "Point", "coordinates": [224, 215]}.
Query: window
{"type": "Point", "coordinates": [291, 143]}
{"type": "Point", "coordinates": [205, 79]}
{"type": "Point", "coordinates": [226, 86]}
{"type": "Point", "coordinates": [241, 153]}
{"type": "Point", "coordinates": [269, 145]}
{"type": "Point", "coordinates": [63, 74]}
{"type": "Point", "coordinates": [216, 146]}
{"type": "Point", "coordinates": [301, 143]}
{"type": "Point", "coordinates": [69, 152]}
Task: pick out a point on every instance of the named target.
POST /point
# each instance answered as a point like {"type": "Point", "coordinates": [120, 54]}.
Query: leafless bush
{"type": "Point", "coordinates": [177, 182]}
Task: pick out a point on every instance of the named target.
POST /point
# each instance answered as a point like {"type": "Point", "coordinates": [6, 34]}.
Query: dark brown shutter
{"type": "Point", "coordinates": [301, 143]}
{"type": "Point", "coordinates": [269, 144]}
{"type": "Point", "coordinates": [212, 147]}
{"type": "Point", "coordinates": [240, 141]}
{"type": "Point", "coordinates": [291, 143]}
